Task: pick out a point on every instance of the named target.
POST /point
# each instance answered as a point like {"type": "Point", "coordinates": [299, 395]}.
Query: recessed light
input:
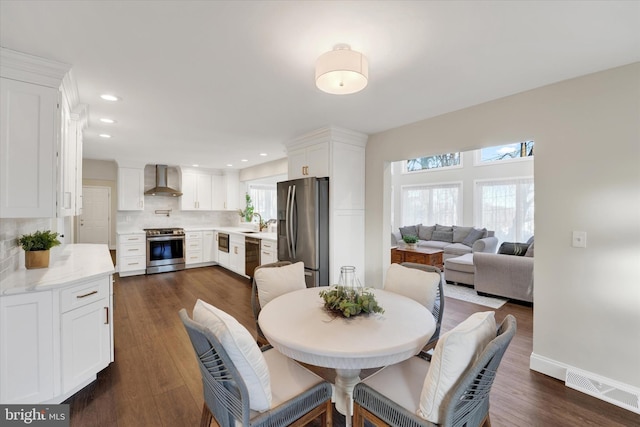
{"type": "Point", "coordinates": [229, 165]}
{"type": "Point", "coordinates": [106, 120]}
{"type": "Point", "coordinates": [104, 135]}
{"type": "Point", "coordinates": [109, 97]}
{"type": "Point", "coordinates": [195, 166]}
{"type": "Point", "coordinates": [263, 154]}
{"type": "Point", "coordinates": [244, 160]}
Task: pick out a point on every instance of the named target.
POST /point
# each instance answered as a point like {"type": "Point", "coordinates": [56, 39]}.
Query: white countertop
{"type": "Point", "coordinates": [249, 232]}
{"type": "Point", "coordinates": [68, 264]}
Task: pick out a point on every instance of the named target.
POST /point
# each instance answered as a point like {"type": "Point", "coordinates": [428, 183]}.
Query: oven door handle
{"type": "Point", "coordinates": [164, 238]}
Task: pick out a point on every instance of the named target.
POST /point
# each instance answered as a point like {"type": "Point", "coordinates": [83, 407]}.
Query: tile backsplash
{"type": "Point", "coordinates": [148, 218]}
{"type": "Point", "coordinates": [11, 229]}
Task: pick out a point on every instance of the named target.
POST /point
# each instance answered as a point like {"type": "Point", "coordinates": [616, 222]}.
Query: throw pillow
{"type": "Point", "coordinates": [442, 236]}
{"type": "Point", "coordinates": [474, 235]}
{"type": "Point", "coordinates": [444, 227]}
{"type": "Point", "coordinates": [512, 248]}
{"type": "Point", "coordinates": [459, 233]}
{"type": "Point", "coordinates": [242, 350]}
{"type": "Point", "coordinates": [425, 232]}
{"type": "Point", "coordinates": [529, 252]}
{"type": "Point", "coordinates": [455, 352]}
{"type": "Point", "coordinates": [409, 230]}
{"type": "Point", "coordinates": [419, 285]}
{"type": "Point", "coordinates": [275, 281]}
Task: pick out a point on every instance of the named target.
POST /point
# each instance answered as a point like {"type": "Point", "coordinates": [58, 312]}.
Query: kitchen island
{"type": "Point", "coordinates": [56, 328]}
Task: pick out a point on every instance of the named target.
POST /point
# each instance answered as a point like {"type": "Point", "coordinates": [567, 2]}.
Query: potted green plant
{"type": "Point", "coordinates": [36, 248]}
{"type": "Point", "coordinates": [247, 214]}
{"type": "Point", "coordinates": [411, 241]}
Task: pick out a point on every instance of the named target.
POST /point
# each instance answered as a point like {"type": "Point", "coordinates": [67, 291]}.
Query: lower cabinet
{"type": "Point", "coordinates": [52, 343]}
{"type": "Point", "coordinates": [193, 247]}
{"type": "Point", "coordinates": [26, 348]}
{"type": "Point", "coordinates": [132, 254]}
{"type": "Point", "coordinates": [237, 254]}
{"type": "Point", "coordinates": [86, 333]}
{"type": "Point", "coordinates": [268, 252]}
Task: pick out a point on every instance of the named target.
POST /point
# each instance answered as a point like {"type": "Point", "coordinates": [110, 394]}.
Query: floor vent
{"type": "Point", "coordinates": [603, 388]}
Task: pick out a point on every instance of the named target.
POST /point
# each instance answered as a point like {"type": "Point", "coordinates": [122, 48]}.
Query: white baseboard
{"type": "Point", "coordinates": [614, 392]}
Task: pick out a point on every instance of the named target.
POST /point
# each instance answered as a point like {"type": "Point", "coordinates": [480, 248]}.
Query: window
{"type": "Point", "coordinates": [506, 206]}
{"type": "Point", "coordinates": [431, 204]}
{"type": "Point", "coordinates": [501, 153]}
{"type": "Point", "coordinates": [433, 162]}
{"type": "Point", "coordinates": [265, 201]}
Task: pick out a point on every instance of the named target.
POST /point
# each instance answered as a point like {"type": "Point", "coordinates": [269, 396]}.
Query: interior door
{"type": "Point", "coordinates": [94, 223]}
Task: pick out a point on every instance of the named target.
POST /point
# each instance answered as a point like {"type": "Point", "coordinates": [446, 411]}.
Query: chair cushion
{"type": "Point", "coordinates": [460, 263]}
{"type": "Point", "coordinates": [401, 382]}
{"type": "Point", "coordinates": [275, 281]}
{"type": "Point", "coordinates": [460, 233]}
{"type": "Point", "coordinates": [455, 352]}
{"type": "Point", "coordinates": [242, 350]}
{"type": "Point", "coordinates": [419, 285]}
{"type": "Point", "coordinates": [289, 379]}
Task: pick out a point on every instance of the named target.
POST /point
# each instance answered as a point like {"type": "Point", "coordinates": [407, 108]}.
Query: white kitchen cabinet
{"type": "Point", "coordinates": [209, 246]}
{"type": "Point", "coordinates": [218, 193]}
{"type": "Point", "coordinates": [197, 191]}
{"type": "Point", "coordinates": [29, 122]}
{"type": "Point", "coordinates": [86, 332]}
{"type": "Point", "coordinates": [193, 247]}
{"type": "Point", "coordinates": [268, 251]}
{"type": "Point", "coordinates": [40, 118]}
{"type": "Point", "coordinates": [56, 330]}
{"type": "Point", "coordinates": [130, 189]}
{"type": "Point", "coordinates": [27, 336]}
{"type": "Point", "coordinates": [237, 254]}
{"type": "Point", "coordinates": [224, 259]}
{"type": "Point", "coordinates": [312, 160]}
{"type": "Point", "coordinates": [340, 155]}
{"type": "Point", "coordinates": [132, 254]}
{"type": "Point", "coordinates": [232, 197]}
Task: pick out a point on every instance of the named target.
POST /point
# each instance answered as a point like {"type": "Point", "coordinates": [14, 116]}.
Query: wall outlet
{"type": "Point", "coordinates": [579, 239]}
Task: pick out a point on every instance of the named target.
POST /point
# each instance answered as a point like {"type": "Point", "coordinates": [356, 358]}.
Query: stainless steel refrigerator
{"type": "Point", "coordinates": [303, 226]}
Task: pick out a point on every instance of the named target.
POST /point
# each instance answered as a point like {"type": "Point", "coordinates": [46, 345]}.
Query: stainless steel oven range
{"type": "Point", "coordinates": [165, 249]}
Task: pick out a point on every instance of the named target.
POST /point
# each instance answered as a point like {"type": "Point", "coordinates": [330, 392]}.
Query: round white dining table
{"type": "Point", "coordinates": [298, 326]}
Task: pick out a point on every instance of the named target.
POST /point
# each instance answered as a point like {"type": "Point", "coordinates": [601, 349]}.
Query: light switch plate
{"type": "Point", "coordinates": [579, 239]}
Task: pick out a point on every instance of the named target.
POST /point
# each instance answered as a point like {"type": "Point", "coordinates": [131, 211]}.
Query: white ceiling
{"type": "Point", "coordinates": [214, 82]}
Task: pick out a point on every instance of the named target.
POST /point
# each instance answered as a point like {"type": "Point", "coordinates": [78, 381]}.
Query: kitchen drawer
{"type": "Point", "coordinates": [193, 235]}
{"type": "Point", "coordinates": [268, 245]}
{"type": "Point", "coordinates": [81, 295]}
{"type": "Point", "coordinates": [132, 263]}
{"type": "Point", "coordinates": [193, 245]}
{"type": "Point", "coordinates": [193, 257]}
{"type": "Point", "coordinates": [267, 257]}
{"type": "Point", "coordinates": [132, 238]}
{"type": "Point", "coordinates": [132, 249]}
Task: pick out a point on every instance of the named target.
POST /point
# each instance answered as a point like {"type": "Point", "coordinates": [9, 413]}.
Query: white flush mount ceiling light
{"type": "Point", "coordinates": [109, 97]}
{"type": "Point", "coordinates": [342, 71]}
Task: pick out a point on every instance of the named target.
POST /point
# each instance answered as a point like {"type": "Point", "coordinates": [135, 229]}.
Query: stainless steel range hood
{"type": "Point", "coordinates": [161, 188]}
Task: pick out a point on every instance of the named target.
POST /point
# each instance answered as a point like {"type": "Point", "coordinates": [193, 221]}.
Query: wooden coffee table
{"type": "Point", "coordinates": [426, 256]}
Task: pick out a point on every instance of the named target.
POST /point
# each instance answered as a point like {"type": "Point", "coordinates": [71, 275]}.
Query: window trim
{"type": "Point", "coordinates": [460, 186]}
{"type": "Point", "coordinates": [443, 168]}
{"type": "Point", "coordinates": [477, 161]}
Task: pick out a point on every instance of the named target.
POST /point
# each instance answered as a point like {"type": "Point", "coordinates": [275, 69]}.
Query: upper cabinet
{"type": "Point", "coordinates": [197, 191]}
{"type": "Point", "coordinates": [40, 118]}
{"type": "Point", "coordinates": [309, 160]}
{"type": "Point", "coordinates": [130, 188]}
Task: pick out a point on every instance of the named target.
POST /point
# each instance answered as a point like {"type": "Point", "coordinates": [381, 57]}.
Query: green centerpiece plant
{"type": "Point", "coordinates": [411, 241]}
{"type": "Point", "coordinates": [350, 302]}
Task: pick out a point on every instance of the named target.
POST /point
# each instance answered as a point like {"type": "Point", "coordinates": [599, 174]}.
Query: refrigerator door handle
{"type": "Point", "coordinates": [287, 220]}
{"type": "Point", "coordinates": [293, 223]}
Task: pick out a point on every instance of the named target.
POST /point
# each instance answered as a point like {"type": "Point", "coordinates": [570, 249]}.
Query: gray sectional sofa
{"type": "Point", "coordinates": [453, 240]}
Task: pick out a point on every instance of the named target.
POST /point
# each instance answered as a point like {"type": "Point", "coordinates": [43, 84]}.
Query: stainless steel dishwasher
{"type": "Point", "coordinates": [252, 255]}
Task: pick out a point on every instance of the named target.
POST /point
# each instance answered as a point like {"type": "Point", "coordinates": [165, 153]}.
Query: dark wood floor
{"type": "Point", "coordinates": [155, 381]}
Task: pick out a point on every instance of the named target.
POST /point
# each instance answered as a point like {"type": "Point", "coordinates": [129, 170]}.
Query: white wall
{"type": "Point", "coordinates": [587, 178]}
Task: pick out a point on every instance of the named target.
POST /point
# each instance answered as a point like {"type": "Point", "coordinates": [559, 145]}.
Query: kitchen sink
{"type": "Point", "coordinates": [249, 232]}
